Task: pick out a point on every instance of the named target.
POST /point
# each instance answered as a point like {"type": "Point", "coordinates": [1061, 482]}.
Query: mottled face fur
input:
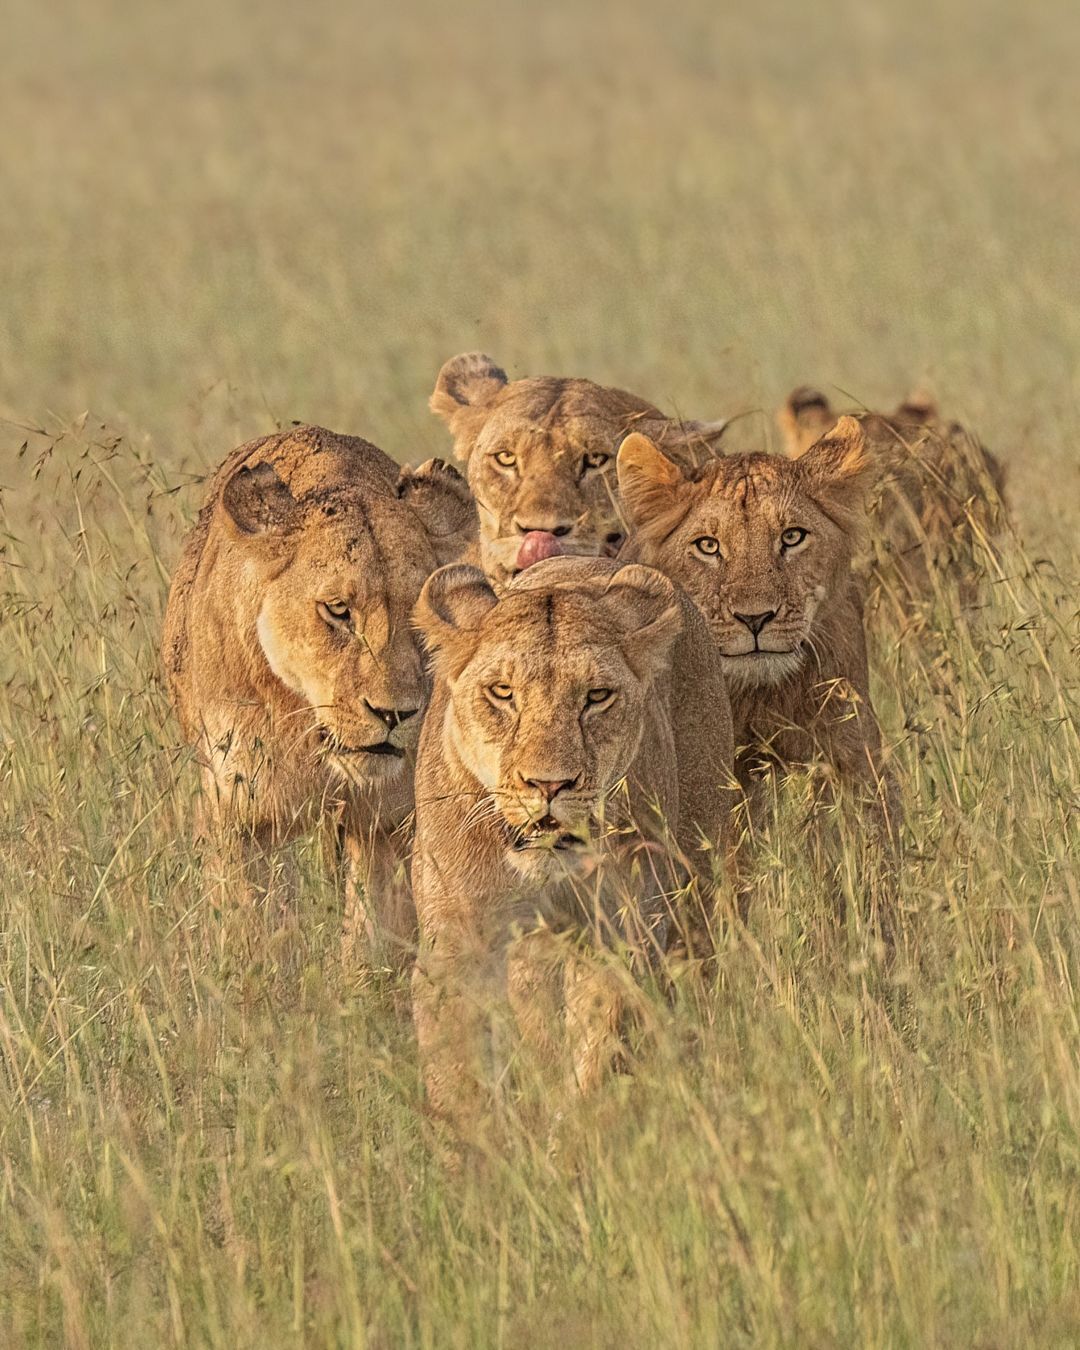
{"type": "Point", "coordinates": [337, 574]}
{"type": "Point", "coordinates": [540, 455]}
{"type": "Point", "coordinates": [548, 689]}
{"type": "Point", "coordinates": [761, 543]}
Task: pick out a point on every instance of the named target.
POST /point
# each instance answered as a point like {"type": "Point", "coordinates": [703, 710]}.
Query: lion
{"type": "Point", "coordinates": [579, 724]}
{"type": "Point", "coordinates": [540, 457]}
{"type": "Point", "coordinates": [290, 658]}
{"type": "Point", "coordinates": [764, 546]}
{"type": "Point", "coordinates": [938, 501]}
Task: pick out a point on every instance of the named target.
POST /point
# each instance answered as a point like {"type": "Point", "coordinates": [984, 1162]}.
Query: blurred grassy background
{"type": "Point", "coordinates": [217, 215]}
{"type": "Point", "coordinates": [215, 218]}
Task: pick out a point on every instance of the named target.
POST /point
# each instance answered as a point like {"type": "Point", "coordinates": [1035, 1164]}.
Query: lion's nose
{"type": "Point", "coordinates": [559, 529]}
{"type": "Point", "coordinates": [756, 622]}
{"type": "Point", "coordinates": [393, 717]}
{"type": "Point", "coordinates": [549, 788]}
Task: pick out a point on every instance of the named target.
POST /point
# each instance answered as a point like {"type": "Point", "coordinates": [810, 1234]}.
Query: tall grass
{"type": "Point", "coordinates": [225, 218]}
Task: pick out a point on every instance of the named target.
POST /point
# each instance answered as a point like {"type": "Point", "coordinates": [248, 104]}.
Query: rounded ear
{"type": "Point", "coordinates": [440, 497]}
{"type": "Point", "coordinates": [805, 416]}
{"type": "Point", "coordinates": [836, 471]}
{"type": "Point", "coordinates": [257, 501]}
{"type": "Point", "coordinates": [465, 381]}
{"type": "Point", "coordinates": [648, 480]}
{"type": "Point", "coordinates": [839, 457]}
{"type": "Point", "coordinates": [643, 607]}
{"type": "Point", "coordinates": [919, 406]}
{"type": "Point", "coordinates": [451, 607]}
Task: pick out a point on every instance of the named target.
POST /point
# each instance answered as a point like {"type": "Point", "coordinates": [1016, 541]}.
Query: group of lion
{"type": "Point", "coordinates": [533, 704]}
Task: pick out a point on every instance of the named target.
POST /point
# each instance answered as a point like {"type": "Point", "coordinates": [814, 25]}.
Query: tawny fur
{"type": "Point", "coordinates": [273, 691]}
{"type": "Point", "coordinates": [652, 784]}
{"type": "Point", "coordinates": [561, 436]}
{"type": "Point", "coordinates": [800, 687]}
{"type": "Point", "coordinates": [937, 502]}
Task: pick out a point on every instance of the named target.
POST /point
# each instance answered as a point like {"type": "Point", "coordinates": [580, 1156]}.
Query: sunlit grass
{"type": "Point", "coordinates": [214, 222]}
{"type": "Point", "coordinates": [209, 1139]}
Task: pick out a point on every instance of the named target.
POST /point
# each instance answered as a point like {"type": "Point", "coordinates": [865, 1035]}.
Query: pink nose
{"type": "Point", "coordinates": [535, 547]}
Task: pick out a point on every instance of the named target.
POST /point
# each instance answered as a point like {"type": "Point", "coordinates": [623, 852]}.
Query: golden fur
{"type": "Point", "coordinates": [588, 674]}
{"type": "Point", "coordinates": [540, 454]}
{"type": "Point", "coordinates": [938, 497]}
{"type": "Point", "coordinates": [765, 543]}
{"type": "Point", "coordinates": [288, 647]}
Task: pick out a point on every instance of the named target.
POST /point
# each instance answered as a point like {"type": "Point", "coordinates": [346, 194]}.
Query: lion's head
{"type": "Point", "coordinates": [938, 497]}
{"type": "Point", "coordinates": [333, 576]}
{"type": "Point", "coordinates": [540, 456]}
{"type": "Point", "coordinates": [548, 693]}
{"type": "Point", "coordinates": [760, 542]}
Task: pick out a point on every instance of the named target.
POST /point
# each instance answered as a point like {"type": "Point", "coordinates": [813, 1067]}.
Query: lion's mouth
{"type": "Point", "coordinates": [546, 833]}
{"type": "Point", "coordinates": [755, 652]}
{"type": "Point", "coordinates": [340, 748]}
{"type": "Point", "coordinates": [539, 545]}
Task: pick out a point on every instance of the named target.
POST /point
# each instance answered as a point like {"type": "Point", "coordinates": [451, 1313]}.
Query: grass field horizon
{"type": "Point", "coordinates": [220, 220]}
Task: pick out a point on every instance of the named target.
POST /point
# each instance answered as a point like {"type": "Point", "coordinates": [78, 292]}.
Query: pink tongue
{"type": "Point", "coordinates": [535, 547]}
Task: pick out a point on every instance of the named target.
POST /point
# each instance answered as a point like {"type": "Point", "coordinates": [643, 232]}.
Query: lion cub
{"type": "Point", "coordinates": [539, 455]}
{"type": "Point", "coordinates": [938, 495]}
{"type": "Point", "coordinates": [577, 723]}
{"type": "Point", "coordinates": [764, 546]}
{"type": "Point", "coordinates": [289, 653]}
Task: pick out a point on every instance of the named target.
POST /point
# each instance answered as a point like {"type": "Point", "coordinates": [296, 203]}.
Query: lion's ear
{"type": "Point", "coordinates": [805, 415]}
{"type": "Point", "coordinates": [642, 605]}
{"type": "Point", "coordinates": [257, 501]}
{"type": "Point", "coordinates": [839, 458]}
{"type": "Point", "coordinates": [919, 406]}
{"type": "Point", "coordinates": [466, 387]}
{"type": "Point", "coordinates": [648, 480]}
{"type": "Point", "coordinates": [440, 497]}
{"type": "Point", "coordinates": [452, 606]}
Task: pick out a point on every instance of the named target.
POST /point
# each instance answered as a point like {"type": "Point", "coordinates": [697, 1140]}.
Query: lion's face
{"type": "Point", "coordinates": [540, 456]}
{"type": "Point", "coordinates": [760, 543]}
{"type": "Point", "coordinates": [337, 574]}
{"type": "Point", "coordinates": [548, 694]}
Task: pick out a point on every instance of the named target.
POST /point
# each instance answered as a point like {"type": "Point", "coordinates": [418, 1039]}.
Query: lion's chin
{"type": "Point", "coordinates": [543, 865]}
{"type": "Point", "coordinates": [750, 670]}
{"type": "Point", "coordinates": [366, 770]}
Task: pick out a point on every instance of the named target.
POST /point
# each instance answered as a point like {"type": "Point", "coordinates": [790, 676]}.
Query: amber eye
{"type": "Point", "coordinates": [502, 693]}
{"type": "Point", "coordinates": [793, 537]}
{"type": "Point", "coordinates": [506, 458]}
{"type": "Point", "coordinates": [707, 545]}
{"type": "Point", "coordinates": [596, 459]}
{"type": "Point", "coordinates": [333, 612]}
{"type": "Point", "coordinates": [595, 696]}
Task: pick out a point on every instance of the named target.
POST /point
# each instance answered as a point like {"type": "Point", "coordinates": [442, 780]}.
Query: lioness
{"type": "Point", "coordinates": [938, 496]}
{"type": "Point", "coordinates": [289, 653]}
{"type": "Point", "coordinates": [539, 456]}
{"type": "Point", "coordinates": [576, 724]}
{"type": "Point", "coordinates": [764, 546]}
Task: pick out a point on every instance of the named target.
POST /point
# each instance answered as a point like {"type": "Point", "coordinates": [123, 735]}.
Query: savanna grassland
{"type": "Point", "coordinates": [216, 219]}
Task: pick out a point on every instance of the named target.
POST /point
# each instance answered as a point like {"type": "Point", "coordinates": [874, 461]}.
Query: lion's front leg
{"type": "Point", "coordinates": [241, 864]}
{"type": "Point", "coordinates": [380, 917]}
{"type": "Point", "coordinates": [458, 987]}
{"type": "Point", "coordinates": [594, 999]}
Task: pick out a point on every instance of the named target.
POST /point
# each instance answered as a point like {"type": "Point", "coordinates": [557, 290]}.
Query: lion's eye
{"type": "Point", "coordinates": [506, 458]}
{"type": "Point", "coordinates": [333, 612]}
{"type": "Point", "coordinates": [502, 693]}
{"type": "Point", "coordinates": [707, 545]}
{"type": "Point", "coordinates": [596, 459]}
{"type": "Point", "coordinates": [793, 537]}
{"type": "Point", "coordinates": [597, 696]}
